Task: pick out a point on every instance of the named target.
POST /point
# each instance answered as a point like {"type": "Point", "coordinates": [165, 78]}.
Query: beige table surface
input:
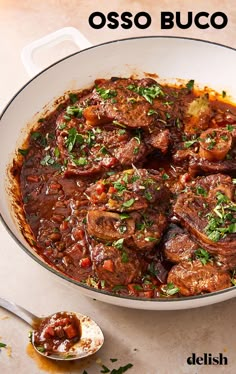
{"type": "Point", "coordinates": [154, 342]}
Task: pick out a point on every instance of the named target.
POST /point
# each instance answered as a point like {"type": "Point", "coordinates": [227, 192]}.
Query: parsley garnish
{"type": "Point", "coordinates": [56, 152]}
{"type": "Point", "coordinates": [73, 97]}
{"type": "Point", "coordinates": [119, 243]}
{"type": "Point", "coordinates": [151, 112]}
{"type": "Point", "coordinates": [73, 138]}
{"type": "Point", "coordinates": [106, 93]}
{"type": "Point", "coordinates": [230, 128]}
{"type": "Point", "coordinates": [124, 216]}
{"type": "Point", "coordinates": [150, 239]}
{"type": "Point", "coordinates": [202, 255]}
{"type": "Point", "coordinates": [222, 220]}
{"type": "Point", "coordinates": [189, 143]}
{"type": "Point", "coordinates": [47, 160]}
{"type": "Point", "coordinates": [128, 203]}
{"type": "Point", "coordinates": [40, 349]}
{"type": "Point", "coordinates": [148, 195]}
{"type": "Point", "coordinates": [165, 176]}
{"type": "Point", "coordinates": [124, 257]}
{"type": "Point", "coordinates": [105, 369]}
{"type": "Point", "coordinates": [170, 289]}
{"type": "Point", "coordinates": [75, 111]}
{"type": "Point", "coordinates": [190, 85]}
{"type": "Point", "coordinates": [81, 161]}
{"type": "Point", "coordinates": [152, 269]}
{"type": "Point", "coordinates": [201, 191]}
{"type": "Point", "coordinates": [2, 345]}
{"type": "Point", "coordinates": [23, 152]}
{"type": "Point", "coordinates": [121, 370]}
{"type": "Point", "coordinates": [118, 287]}
{"type": "Point", "coordinates": [149, 93]}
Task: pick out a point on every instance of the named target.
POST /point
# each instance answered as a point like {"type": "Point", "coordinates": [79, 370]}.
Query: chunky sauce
{"type": "Point", "coordinates": [101, 180]}
{"type": "Point", "coordinates": [58, 333]}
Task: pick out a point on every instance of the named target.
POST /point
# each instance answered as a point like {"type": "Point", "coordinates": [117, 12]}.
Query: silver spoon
{"type": "Point", "coordinates": [90, 341]}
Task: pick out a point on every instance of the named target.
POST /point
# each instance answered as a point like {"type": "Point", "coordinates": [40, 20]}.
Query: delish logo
{"type": "Point", "coordinates": [207, 359]}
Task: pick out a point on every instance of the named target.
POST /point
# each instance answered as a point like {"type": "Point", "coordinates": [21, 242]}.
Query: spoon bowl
{"type": "Point", "coordinates": [59, 331]}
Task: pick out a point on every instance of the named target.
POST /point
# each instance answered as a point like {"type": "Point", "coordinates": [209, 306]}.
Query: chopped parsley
{"type": "Point", "coordinates": [62, 126]}
{"type": "Point", "coordinates": [202, 255]}
{"type": "Point", "coordinates": [73, 97]}
{"type": "Point", "coordinates": [149, 93]}
{"type": "Point", "coordinates": [119, 243]}
{"type": "Point", "coordinates": [105, 369]}
{"type": "Point", "coordinates": [170, 289]}
{"type": "Point", "coordinates": [165, 176]}
{"type": "Point", "coordinates": [151, 112]}
{"type": "Point", "coordinates": [81, 161]}
{"type": "Point", "coordinates": [106, 93]}
{"type": "Point", "coordinates": [40, 349]}
{"type": "Point", "coordinates": [36, 135]}
{"type": "Point", "coordinates": [190, 85]}
{"type": "Point", "coordinates": [230, 128]}
{"type": "Point", "coordinates": [47, 160]}
{"type": "Point", "coordinates": [189, 143]}
{"type": "Point", "coordinates": [56, 152]}
{"type": "Point", "coordinates": [150, 239]}
{"type": "Point", "coordinates": [119, 186]}
{"type": "Point", "coordinates": [222, 220]}
{"type": "Point", "coordinates": [23, 152]}
{"type": "Point", "coordinates": [148, 195]}
{"type": "Point", "coordinates": [118, 287]}
{"type": "Point", "coordinates": [201, 191]}
{"type": "Point", "coordinates": [73, 138]}
{"type": "Point", "coordinates": [128, 203]}
{"type": "Point", "coordinates": [75, 111]}
{"type": "Point", "coordinates": [124, 257]}
{"type": "Point", "coordinates": [124, 216]}
{"type": "Point", "coordinates": [152, 269]}
{"type": "Point", "coordinates": [3, 345]}
{"type": "Point", "coordinates": [223, 94]}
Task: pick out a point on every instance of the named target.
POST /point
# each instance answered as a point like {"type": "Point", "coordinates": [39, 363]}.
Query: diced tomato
{"type": "Point", "coordinates": [33, 178]}
{"type": "Point", "coordinates": [112, 190]}
{"type": "Point", "coordinates": [85, 262]}
{"type": "Point", "coordinates": [108, 265]}
{"type": "Point", "coordinates": [78, 234]}
{"type": "Point", "coordinates": [64, 226]}
{"type": "Point", "coordinates": [70, 331]}
{"type": "Point", "coordinates": [55, 186]}
{"type": "Point", "coordinates": [132, 289]}
{"type": "Point", "coordinates": [49, 331]}
{"type": "Point", "coordinates": [149, 293]}
{"type": "Point", "coordinates": [100, 188]}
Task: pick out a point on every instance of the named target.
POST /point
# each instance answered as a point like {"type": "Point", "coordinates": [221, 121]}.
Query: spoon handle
{"type": "Point", "coordinates": [19, 311]}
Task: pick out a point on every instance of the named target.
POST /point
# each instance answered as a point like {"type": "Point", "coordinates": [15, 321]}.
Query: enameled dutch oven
{"type": "Point", "coordinates": [207, 63]}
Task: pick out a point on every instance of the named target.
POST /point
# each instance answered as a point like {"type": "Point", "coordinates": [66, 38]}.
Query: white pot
{"type": "Point", "coordinates": [207, 63]}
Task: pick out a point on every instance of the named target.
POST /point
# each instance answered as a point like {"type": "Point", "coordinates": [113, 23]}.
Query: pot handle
{"type": "Point", "coordinates": [66, 33]}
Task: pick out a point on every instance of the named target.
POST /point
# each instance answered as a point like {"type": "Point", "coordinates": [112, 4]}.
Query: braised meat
{"type": "Point", "coordinates": [213, 152]}
{"type": "Point", "coordinates": [194, 278]}
{"type": "Point", "coordinates": [208, 211]}
{"type": "Point", "coordinates": [123, 101]}
{"type": "Point", "coordinates": [109, 226]}
{"type": "Point", "coordinates": [116, 265]}
{"type": "Point", "coordinates": [178, 246]}
{"type": "Point", "coordinates": [130, 190]}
